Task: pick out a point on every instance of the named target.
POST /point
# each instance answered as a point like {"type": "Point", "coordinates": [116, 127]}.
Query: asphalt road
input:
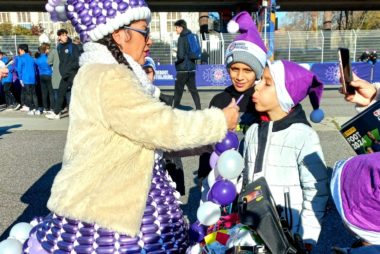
{"type": "Point", "coordinates": [31, 149]}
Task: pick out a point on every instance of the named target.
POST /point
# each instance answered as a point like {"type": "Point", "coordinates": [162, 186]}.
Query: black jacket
{"type": "Point", "coordinates": [183, 62]}
{"type": "Point", "coordinates": [68, 59]}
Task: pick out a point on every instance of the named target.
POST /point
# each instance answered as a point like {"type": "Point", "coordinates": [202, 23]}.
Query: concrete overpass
{"type": "Point", "coordinates": [216, 5]}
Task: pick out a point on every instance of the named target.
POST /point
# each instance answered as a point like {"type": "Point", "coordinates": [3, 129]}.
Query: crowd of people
{"type": "Point", "coordinates": [113, 193]}
{"type": "Point", "coordinates": [368, 57]}
{"type": "Point", "coordinates": [41, 82]}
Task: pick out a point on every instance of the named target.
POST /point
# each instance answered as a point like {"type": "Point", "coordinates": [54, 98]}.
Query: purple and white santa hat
{"type": "Point", "coordinates": [247, 47]}
{"type": "Point", "coordinates": [94, 19]}
{"type": "Point", "coordinates": [293, 84]}
{"type": "Point", "coordinates": [355, 188]}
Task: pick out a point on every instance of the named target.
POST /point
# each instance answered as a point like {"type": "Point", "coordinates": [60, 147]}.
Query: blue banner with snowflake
{"type": "Point", "coordinates": [212, 75]}
{"type": "Point", "coordinates": [328, 73]}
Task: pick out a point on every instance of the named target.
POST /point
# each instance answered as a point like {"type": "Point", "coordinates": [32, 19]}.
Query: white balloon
{"type": "Point", "coordinates": [20, 231]}
{"type": "Point", "coordinates": [230, 164]}
{"type": "Point", "coordinates": [10, 246]}
{"type": "Point", "coordinates": [208, 213]}
{"type": "Point", "coordinates": [49, 8]}
{"type": "Point", "coordinates": [60, 9]}
{"type": "Point", "coordinates": [211, 178]}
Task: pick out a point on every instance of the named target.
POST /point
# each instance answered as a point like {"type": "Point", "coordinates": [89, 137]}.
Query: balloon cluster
{"type": "Point", "coordinates": [227, 164]}
{"type": "Point", "coordinates": [18, 235]}
{"type": "Point", "coordinates": [57, 10]}
{"type": "Point", "coordinates": [86, 15]}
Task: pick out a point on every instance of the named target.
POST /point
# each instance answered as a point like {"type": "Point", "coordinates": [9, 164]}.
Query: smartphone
{"type": "Point", "coordinates": [345, 70]}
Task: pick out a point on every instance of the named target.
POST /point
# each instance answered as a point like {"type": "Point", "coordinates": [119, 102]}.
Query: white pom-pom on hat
{"type": "Point", "coordinates": [233, 27]}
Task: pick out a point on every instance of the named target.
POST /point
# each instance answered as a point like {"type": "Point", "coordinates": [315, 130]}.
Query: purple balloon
{"type": "Point", "coordinates": [65, 246]}
{"type": "Point", "coordinates": [223, 192]}
{"type": "Point", "coordinates": [107, 4]}
{"type": "Point", "coordinates": [96, 11]}
{"type": "Point", "coordinates": [122, 6]}
{"type": "Point", "coordinates": [100, 20]}
{"type": "Point", "coordinates": [86, 20]}
{"type": "Point", "coordinates": [78, 7]}
{"type": "Point", "coordinates": [111, 13]}
{"type": "Point", "coordinates": [93, 4]}
{"type": "Point", "coordinates": [197, 232]}
{"type": "Point", "coordinates": [130, 249]}
{"type": "Point", "coordinates": [213, 159]}
{"type": "Point", "coordinates": [230, 141]}
{"type": "Point", "coordinates": [133, 2]}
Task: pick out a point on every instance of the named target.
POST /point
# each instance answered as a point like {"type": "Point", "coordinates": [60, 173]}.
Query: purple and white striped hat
{"type": "Point", "coordinates": [355, 188]}
{"type": "Point", "coordinates": [94, 19]}
{"type": "Point", "coordinates": [293, 84]}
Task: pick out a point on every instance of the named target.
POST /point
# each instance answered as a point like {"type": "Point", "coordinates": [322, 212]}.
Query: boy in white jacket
{"type": "Point", "coordinates": [285, 149]}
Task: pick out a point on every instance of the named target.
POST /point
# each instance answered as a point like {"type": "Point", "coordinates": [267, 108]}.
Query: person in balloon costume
{"type": "Point", "coordinates": [112, 194]}
{"type": "Point", "coordinates": [285, 149]}
{"type": "Point", "coordinates": [245, 61]}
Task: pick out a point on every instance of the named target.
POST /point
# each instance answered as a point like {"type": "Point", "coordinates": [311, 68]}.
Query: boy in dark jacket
{"type": "Point", "coordinates": [68, 54]}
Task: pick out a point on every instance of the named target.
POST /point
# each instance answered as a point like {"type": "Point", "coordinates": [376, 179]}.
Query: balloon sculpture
{"type": "Point", "coordinates": [17, 236]}
{"type": "Point", "coordinates": [227, 164]}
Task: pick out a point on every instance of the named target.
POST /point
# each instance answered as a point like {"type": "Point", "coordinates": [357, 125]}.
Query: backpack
{"type": "Point", "coordinates": [194, 46]}
{"type": "Point", "coordinates": [257, 209]}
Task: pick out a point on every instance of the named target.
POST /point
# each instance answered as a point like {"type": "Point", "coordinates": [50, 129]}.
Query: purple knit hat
{"type": "Point", "coordinates": [94, 19]}
{"type": "Point", "coordinates": [293, 83]}
{"type": "Point", "coordinates": [247, 48]}
{"type": "Point", "coordinates": [355, 188]}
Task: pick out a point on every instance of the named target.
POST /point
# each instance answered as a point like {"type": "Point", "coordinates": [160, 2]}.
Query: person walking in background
{"type": "Point", "coordinates": [68, 54]}
{"type": "Point", "coordinates": [53, 60]}
{"type": "Point", "coordinates": [27, 76]}
{"type": "Point", "coordinates": [185, 67]}
{"type": "Point", "coordinates": [45, 72]}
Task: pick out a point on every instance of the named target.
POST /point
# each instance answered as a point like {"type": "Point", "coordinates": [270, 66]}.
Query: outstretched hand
{"type": "Point", "coordinates": [231, 113]}
{"type": "Point", "coordinates": [364, 92]}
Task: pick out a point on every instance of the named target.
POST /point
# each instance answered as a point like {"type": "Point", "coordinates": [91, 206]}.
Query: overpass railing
{"type": "Point", "coordinates": [298, 46]}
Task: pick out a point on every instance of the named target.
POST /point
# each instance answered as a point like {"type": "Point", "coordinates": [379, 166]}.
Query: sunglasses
{"type": "Point", "coordinates": [144, 33]}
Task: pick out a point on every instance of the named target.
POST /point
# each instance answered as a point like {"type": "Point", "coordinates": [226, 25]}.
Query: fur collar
{"type": "Point", "coordinates": [98, 53]}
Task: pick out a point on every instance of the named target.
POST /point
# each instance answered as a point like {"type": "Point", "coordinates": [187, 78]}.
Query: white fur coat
{"type": "Point", "coordinates": [115, 127]}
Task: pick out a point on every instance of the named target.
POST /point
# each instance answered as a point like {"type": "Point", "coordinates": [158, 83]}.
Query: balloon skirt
{"type": "Point", "coordinates": [163, 229]}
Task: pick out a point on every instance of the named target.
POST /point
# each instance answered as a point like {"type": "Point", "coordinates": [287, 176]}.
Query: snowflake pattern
{"type": "Point", "coordinates": [332, 73]}
{"type": "Point", "coordinates": [216, 75]}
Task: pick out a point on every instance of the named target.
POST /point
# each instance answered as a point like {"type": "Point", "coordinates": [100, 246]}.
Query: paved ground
{"type": "Point", "coordinates": [31, 151]}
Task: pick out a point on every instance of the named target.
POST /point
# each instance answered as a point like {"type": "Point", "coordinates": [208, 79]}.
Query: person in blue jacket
{"type": "Point", "coordinates": [27, 76]}
{"type": "Point", "coordinates": [7, 83]}
{"type": "Point", "coordinates": [45, 72]}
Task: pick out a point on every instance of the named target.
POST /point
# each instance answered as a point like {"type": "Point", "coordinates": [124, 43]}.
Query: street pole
{"type": "Point", "coordinates": [265, 5]}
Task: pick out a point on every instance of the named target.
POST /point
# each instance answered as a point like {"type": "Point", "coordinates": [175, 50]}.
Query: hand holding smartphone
{"type": "Point", "coordinates": [345, 71]}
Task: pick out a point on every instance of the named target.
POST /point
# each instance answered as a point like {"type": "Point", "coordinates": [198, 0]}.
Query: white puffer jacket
{"type": "Point", "coordinates": [292, 160]}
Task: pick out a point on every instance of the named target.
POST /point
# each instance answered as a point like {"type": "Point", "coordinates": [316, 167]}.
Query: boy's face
{"type": "Point", "coordinates": [63, 38]}
{"type": "Point", "coordinates": [242, 76]}
{"type": "Point", "coordinates": [265, 96]}
{"type": "Point", "coordinates": [150, 72]}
